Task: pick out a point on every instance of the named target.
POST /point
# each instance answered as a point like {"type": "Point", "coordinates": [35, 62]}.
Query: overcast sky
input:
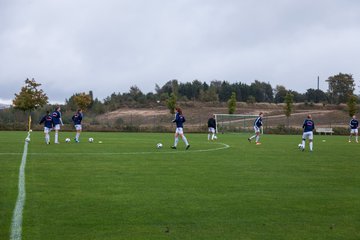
{"type": "Point", "coordinates": [107, 46]}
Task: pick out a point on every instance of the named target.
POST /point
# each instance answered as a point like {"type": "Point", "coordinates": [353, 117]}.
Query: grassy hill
{"type": "Point", "coordinates": [197, 114]}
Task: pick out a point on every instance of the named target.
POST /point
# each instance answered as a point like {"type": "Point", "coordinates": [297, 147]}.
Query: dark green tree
{"type": "Point", "coordinates": [209, 95]}
{"type": "Point", "coordinates": [289, 105]}
{"type": "Point", "coordinates": [261, 91]}
{"type": "Point", "coordinates": [185, 90]}
{"type": "Point", "coordinates": [352, 105]}
{"type": "Point", "coordinates": [171, 103]}
{"type": "Point", "coordinates": [341, 87]}
{"type": "Point", "coordinates": [232, 103]}
{"type": "Point", "coordinates": [280, 93]}
{"type": "Point", "coordinates": [196, 87]}
{"type": "Point", "coordinates": [315, 95]}
{"type": "Point", "coordinates": [297, 97]}
{"type": "Point", "coordinates": [225, 91]}
{"type": "Point", "coordinates": [135, 93]}
{"type": "Point", "coordinates": [97, 107]}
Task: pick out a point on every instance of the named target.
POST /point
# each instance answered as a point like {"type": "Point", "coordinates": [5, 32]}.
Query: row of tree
{"type": "Point", "coordinates": [341, 89]}
{"type": "Point", "coordinates": [33, 100]}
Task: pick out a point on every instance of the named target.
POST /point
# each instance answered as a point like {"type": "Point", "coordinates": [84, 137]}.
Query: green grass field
{"type": "Point", "coordinates": [125, 188]}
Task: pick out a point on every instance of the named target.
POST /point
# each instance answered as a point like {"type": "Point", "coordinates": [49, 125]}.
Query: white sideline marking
{"type": "Point", "coordinates": [224, 146]}
{"type": "Point", "coordinates": [16, 224]}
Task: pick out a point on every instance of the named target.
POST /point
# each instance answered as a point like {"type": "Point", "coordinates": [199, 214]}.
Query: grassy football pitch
{"type": "Point", "coordinates": [126, 188]}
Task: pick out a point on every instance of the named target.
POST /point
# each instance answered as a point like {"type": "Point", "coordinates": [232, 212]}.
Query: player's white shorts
{"type": "Point", "coordinates": [354, 131]}
{"type": "Point", "coordinates": [211, 129]}
{"type": "Point", "coordinates": [47, 130]}
{"type": "Point", "coordinates": [57, 127]}
{"type": "Point", "coordinates": [78, 127]}
{"type": "Point", "coordinates": [308, 135]}
{"type": "Point", "coordinates": [257, 129]}
{"type": "Point", "coordinates": [179, 130]}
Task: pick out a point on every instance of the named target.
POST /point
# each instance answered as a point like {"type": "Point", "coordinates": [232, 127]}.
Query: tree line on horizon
{"type": "Point", "coordinates": [34, 101]}
{"type": "Point", "coordinates": [341, 87]}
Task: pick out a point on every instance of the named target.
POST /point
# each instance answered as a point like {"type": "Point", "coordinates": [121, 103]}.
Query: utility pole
{"type": "Point", "coordinates": [318, 80]}
{"type": "Point", "coordinates": [317, 92]}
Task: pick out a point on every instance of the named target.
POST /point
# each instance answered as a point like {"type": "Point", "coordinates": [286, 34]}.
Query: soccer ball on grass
{"type": "Point", "coordinates": [159, 145]}
{"type": "Point", "coordinates": [67, 140]}
{"type": "Point", "coordinates": [91, 140]}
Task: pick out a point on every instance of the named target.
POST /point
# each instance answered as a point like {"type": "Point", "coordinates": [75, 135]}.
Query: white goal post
{"type": "Point", "coordinates": [234, 122]}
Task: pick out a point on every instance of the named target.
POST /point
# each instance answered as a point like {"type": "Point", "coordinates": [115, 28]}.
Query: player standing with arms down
{"type": "Point", "coordinates": [48, 125]}
{"type": "Point", "coordinates": [179, 120]}
{"type": "Point", "coordinates": [354, 125]}
{"type": "Point", "coordinates": [77, 118]}
{"type": "Point", "coordinates": [308, 127]}
{"type": "Point", "coordinates": [257, 127]}
{"type": "Point", "coordinates": [211, 128]}
{"type": "Point", "coordinates": [57, 121]}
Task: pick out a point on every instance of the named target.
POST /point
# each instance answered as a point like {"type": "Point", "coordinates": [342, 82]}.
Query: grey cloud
{"type": "Point", "coordinates": [108, 46]}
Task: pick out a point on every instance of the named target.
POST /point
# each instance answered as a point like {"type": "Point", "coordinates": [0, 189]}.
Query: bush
{"type": "Point", "coordinates": [281, 129]}
{"type": "Point", "coordinates": [341, 131]}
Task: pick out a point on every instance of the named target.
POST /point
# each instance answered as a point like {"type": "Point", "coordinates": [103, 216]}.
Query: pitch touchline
{"type": "Point", "coordinates": [16, 223]}
{"type": "Point", "coordinates": [224, 146]}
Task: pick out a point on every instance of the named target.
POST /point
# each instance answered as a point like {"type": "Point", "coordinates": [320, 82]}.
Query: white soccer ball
{"type": "Point", "coordinates": [300, 146]}
{"type": "Point", "coordinates": [27, 139]}
{"type": "Point", "coordinates": [215, 137]}
{"type": "Point", "coordinates": [159, 145]}
{"type": "Point", "coordinates": [67, 140]}
{"type": "Point", "coordinates": [91, 140]}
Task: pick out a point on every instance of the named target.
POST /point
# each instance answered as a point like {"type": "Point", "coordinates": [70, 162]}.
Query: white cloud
{"type": "Point", "coordinates": [108, 46]}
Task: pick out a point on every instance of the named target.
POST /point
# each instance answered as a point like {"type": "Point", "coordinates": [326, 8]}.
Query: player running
{"type": "Point", "coordinates": [308, 127]}
{"type": "Point", "coordinates": [179, 120]}
{"type": "Point", "coordinates": [354, 125]}
{"type": "Point", "coordinates": [48, 125]}
{"type": "Point", "coordinates": [211, 128]}
{"type": "Point", "coordinates": [57, 121]}
{"type": "Point", "coordinates": [77, 118]}
{"type": "Point", "coordinates": [257, 127]}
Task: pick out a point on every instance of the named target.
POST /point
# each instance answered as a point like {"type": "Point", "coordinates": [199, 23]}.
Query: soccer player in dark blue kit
{"type": "Point", "coordinates": [179, 120]}
{"type": "Point", "coordinates": [211, 128]}
{"type": "Point", "coordinates": [354, 125]}
{"type": "Point", "coordinates": [57, 121]}
{"type": "Point", "coordinates": [48, 125]}
{"type": "Point", "coordinates": [77, 118]}
{"type": "Point", "coordinates": [308, 127]}
{"type": "Point", "coordinates": [257, 127]}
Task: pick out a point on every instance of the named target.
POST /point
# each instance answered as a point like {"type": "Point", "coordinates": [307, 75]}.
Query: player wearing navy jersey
{"type": "Point", "coordinates": [308, 127]}
{"type": "Point", "coordinates": [354, 125]}
{"type": "Point", "coordinates": [48, 125]}
{"type": "Point", "coordinates": [257, 127]}
{"type": "Point", "coordinates": [179, 120]}
{"type": "Point", "coordinates": [211, 128]}
{"type": "Point", "coordinates": [57, 121]}
{"type": "Point", "coordinates": [77, 118]}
